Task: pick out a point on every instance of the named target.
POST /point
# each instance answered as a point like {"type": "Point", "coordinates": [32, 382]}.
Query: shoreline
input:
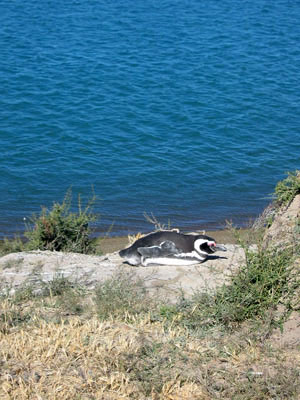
{"type": "Point", "coordinates": [110, 244]}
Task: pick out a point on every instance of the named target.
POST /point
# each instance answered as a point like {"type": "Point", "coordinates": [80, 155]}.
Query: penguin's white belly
{"type": "Point", "coordinates": [178, 259]}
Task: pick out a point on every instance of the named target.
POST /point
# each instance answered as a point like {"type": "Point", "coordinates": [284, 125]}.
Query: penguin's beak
{"type": "Point", "coordinates": [220, 247]}
{"type": "Point", "coordinates": [216, 247]}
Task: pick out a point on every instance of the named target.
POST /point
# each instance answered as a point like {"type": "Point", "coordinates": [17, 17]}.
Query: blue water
{"type": "Point", "coordinates": [187, 109]}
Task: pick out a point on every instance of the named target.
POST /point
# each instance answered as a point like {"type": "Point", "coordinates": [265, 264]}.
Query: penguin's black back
{"type": "Point", "coordinates": [183, 242]}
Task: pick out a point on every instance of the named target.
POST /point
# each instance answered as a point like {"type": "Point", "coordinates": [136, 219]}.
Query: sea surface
{"type": "Point", "coordinates": [187, 109]}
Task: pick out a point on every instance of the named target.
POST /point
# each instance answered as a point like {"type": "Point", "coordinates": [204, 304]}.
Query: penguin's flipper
{"type": "Point", "coordinates": [153, 251]}
{"type": "Point", "coordinates": [165, 249]}
{"type": "Point", "coordinates": [168, 247]}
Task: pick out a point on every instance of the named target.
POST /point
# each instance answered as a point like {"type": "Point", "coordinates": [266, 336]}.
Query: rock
{"type": "Point", "coordinates": [285, 232]}
{"type": "Point", "coordinates": [39, 267]}
{"type": "Point", "coordinates": [285, 228]}
{"type": "Point", "coordinates": [265, 218]}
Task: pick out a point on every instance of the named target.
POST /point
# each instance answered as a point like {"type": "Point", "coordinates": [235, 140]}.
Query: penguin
{"type": "Point", "coordinates": [170, 248]}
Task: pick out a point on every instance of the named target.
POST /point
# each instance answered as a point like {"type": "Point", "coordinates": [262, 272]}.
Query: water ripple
{"type": "Point", "coordinates": [186, 109]}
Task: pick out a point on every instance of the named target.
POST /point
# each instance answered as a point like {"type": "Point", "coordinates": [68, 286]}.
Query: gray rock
{"type": "Point", "coordinates": [285, 229]}
{"type": "Point", "coordinates": [39, 267]}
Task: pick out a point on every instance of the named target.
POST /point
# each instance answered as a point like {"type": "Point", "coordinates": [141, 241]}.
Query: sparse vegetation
{"type": "Point", "coordinates": [158, 226]}
{"type": "Point", "coordinates": [121, 297]}
{"type": "Point", "coordinates": [11, 246]}
{"type": "Point", "coordinates": [266, 281]}
{"type": "Point", "coordinates": [61, 229]}
{"type": "Point", "coordinates": [17, 264]}
{"type": "Point", "coordinates": [288, 188]}
{"type": "Point", "coordinates": [58, 229]}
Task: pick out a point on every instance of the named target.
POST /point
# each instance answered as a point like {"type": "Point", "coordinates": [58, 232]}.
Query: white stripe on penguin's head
{"type": "Point", "coordinates": [204, 246]}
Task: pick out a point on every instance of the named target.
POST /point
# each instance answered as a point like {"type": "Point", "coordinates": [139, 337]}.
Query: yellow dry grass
{"type": "Point", "coordinates": [89, 359]}
{"type": "Point", "coordinates": [79, 360]}
{"type": "Point", "coordinates": [46, 353]}
{"type": "Point", "coordinates": [134, 238]}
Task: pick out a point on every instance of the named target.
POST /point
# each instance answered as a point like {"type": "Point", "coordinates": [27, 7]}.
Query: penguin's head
{"type": "Point", "coordinates": [205, 245]}
{"type": "Point", "coordinates": [130, 255]}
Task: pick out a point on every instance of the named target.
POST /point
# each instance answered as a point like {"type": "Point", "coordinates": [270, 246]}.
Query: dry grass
{"type": "Point", "coordinates": [134, 238]}
{"type": "Point", "coordinates": [78, 360]}
{"type": "Point", "coordinates": [47, 353]}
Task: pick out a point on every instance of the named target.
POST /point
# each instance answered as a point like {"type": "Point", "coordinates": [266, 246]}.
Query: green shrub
{"type": "Point", "coordinates": [258, 285]}
{"type": "Point", "coordinates": [11, 246]}
{"type": "Point", "coordinates": [62, 230]}
{"type": "Point", "coordinates": [288, 188]}
{"type": "Point", "coordinates": [265, 281]}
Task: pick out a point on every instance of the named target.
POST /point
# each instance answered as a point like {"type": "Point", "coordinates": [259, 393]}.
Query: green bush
{"type": "Point", "coordinates": [288, 188]}
{"type": "Point", "coordinates": [11, 246]}
{"type": "Point", "coordinates": [265, 281]}
{"type": "Point", "coordinates": [258, 285]}
{"type": "Point", "coordinates": [62, 230]}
